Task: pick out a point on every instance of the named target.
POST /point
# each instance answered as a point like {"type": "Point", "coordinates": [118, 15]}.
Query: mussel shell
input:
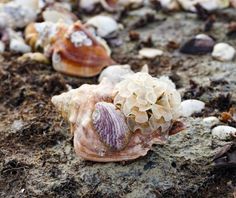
{"type": "Point", "coordinates": [111, 126]}
{"type": "Point", "coordinates": [197, 46]}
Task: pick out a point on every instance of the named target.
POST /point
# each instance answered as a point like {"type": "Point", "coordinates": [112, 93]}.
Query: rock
{"type": "Point", "coordinates": [211, 121]}
{"type": "Point", "coordinates": [224, 132]}
{"type": "Point", "coordinates": [223, 52]}
{"type": "Point", "coordinates": [150, 53]}
{"type": "Point", "coordinates": [191, 106]}
{"type": "Point", "coordinates": [36, 56]}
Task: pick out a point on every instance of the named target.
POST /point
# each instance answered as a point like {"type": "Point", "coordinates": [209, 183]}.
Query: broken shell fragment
{"type": "Point", "coordinates": [79, 53]}
{"type": "Point", "coordinates": [150, 53]}
{"type": "Point", "coordinates": [104, 26]}
{"type": "Point", "coordinates": [200, 44]}
{"type": "Point", "coordinates": [223, 52]}
{"type": "Point", "coordinates": [100, 128]}
{"type": "Point", "coordinates": [224, 132]}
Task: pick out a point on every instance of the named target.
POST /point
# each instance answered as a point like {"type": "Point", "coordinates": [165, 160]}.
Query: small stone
{"type": "Point", "coordinates": [191, 106]}
{"type": "Point", "coordinates": [19, 46]}
{"type": "Point", "coordinates": [211, 121]}
{"type": "Point", "coordinates": [223, 52]}
{"type": "Point", "coordinates": [150, 53]}
{"type": "Point", "coordinates": [224, 132]}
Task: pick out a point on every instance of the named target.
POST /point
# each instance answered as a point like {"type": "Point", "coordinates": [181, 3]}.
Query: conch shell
{"type": "Point", "coordinates": [79, 53]}
{"type": "Point", "coordinates": [101, 132]}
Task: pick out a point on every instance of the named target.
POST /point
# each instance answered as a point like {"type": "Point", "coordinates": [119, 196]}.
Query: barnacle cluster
{"type": "Point", "coordinates": [148, 103]}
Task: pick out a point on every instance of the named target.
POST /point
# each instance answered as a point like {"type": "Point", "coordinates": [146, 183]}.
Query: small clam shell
{"type": "Point", "coordinates": [110, 125]}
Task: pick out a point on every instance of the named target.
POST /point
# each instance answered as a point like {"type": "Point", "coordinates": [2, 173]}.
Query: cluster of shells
{"type": "Point", "coordinates": [126, 113]}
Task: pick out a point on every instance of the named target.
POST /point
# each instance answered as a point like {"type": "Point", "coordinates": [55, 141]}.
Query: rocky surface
{"type": "Point", "coordinates": [37, 156]}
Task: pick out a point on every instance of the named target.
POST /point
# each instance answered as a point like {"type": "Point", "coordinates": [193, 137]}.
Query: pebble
{"type": "Point", "coordinates": [150, 53]}
{"type": "Point", "coordinates": [223, 52]}
{"type": "Point", "coordinates": [211, 121]}
{"type": "Point", "coordinates": [224, 132]}
{"type": "Point", "coordinates": [191, 106]}
{"type": "Point", "coordinates": [19, 46]}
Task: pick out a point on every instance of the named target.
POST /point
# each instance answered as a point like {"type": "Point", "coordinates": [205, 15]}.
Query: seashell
{"type": "Point", "coordinates": [150, 53]}
{"type": "Point", "coordinates": [169, 4]}
{"type": "Point", "coordinates": [111, 126]}
{"type": "Point", "coordinates": [43, 35]}
{"type": "Point", "coordinates": [17, 43]}
{"type": "Point", "coordinates": [191, 106]}
{"type": "Point", "coordinates": [104, 26]}
{"type": "Point", "coordinates": [100, 131]}
{"type": "Point", "coordinates": [223, 52]}
{"type": "Point", "coordinates": [209, 5]}
{"type": "Point", "coordinates": [109, 5]}
{"type": "Point", "coordinates": [200, 44]}
{"type": "Point", "coordinates": [78, 53]}
{"type": "Point", "coordinates": [37, 57]}
{"type": "Point", "coordinates": [115, 73]}
{"type": "Point", "coordinates": [224, 132]}
{"type": "Point", "coordinates": [57, 13]}
{"type": "Point", "coordinates": [18, 13]}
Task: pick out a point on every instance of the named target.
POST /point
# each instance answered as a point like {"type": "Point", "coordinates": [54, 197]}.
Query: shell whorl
{"type": "Point", "coordinates": [111, 126]}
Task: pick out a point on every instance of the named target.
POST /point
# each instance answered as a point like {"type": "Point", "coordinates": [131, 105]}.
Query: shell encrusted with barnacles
{"type": "Point", "coordinates": [121, 121]}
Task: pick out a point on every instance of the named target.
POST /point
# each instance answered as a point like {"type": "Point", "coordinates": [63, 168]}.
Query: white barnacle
{"type": "Point", "coordinates": [79, 38]}
{"type": "Point", "coordinates": [148, 103]}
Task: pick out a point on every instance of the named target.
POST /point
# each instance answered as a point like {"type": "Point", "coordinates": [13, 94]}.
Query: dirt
{"type": "Point", "coordinates": [37, 156]}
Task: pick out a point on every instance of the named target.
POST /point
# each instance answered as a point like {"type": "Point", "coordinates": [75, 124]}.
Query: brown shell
{"type": "Point", "coordinates": [78, 106]}
{"type": "Point", "coordinates": [82, 60]}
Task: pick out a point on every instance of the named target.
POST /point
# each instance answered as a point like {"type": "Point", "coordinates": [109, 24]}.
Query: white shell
{"type": "Point", "coordinates": [150, 53]}
{"type": "Point", "coordinates": [104, 25]}
{"type": "Point", "coordinates": [224, 132]}
{"type": "Point", "coordinates": [223, 52]}
{"type": "Point", "coordinates": [189, 107]}
{"type": "Point", "coordinates": [210, 121]}
{"type": "Point", "coordinates": [169, 4]}
{"type": "Point", "coordinates": [115, 73]}
{"type": "Point", "coordinates": [17, 43]}
{"type": "Point", "coordinates": [206, 4]}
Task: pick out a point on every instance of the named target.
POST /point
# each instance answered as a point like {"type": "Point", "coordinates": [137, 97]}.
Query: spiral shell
{"type": "Point", "coordinates": [100, 131]}
{"type": "Point", "coordinates": [110, 124]}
